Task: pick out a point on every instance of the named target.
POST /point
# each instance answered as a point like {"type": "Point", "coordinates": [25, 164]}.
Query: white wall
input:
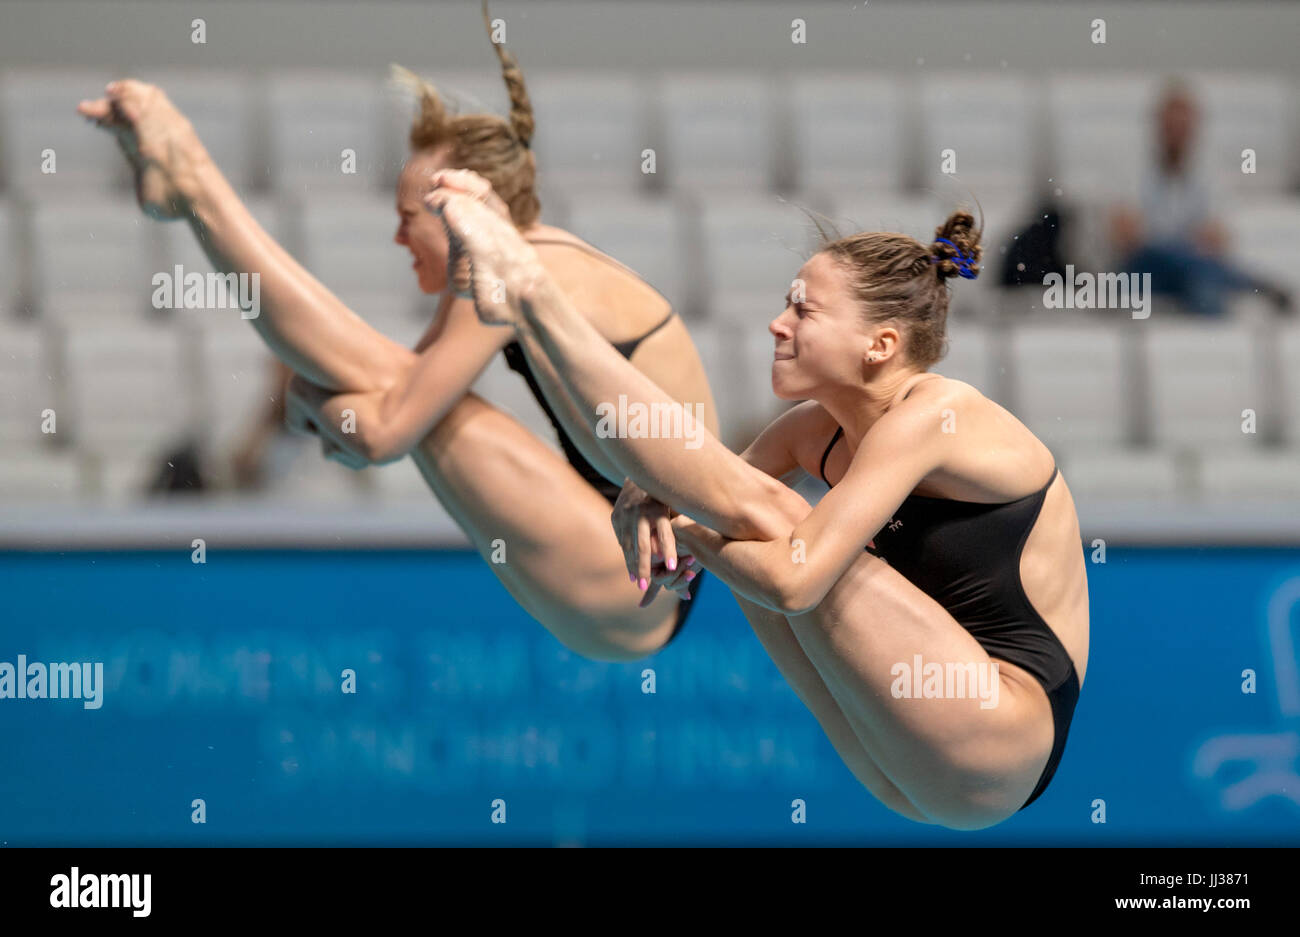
{"type": "Point", "coordinates": [1157, 34]}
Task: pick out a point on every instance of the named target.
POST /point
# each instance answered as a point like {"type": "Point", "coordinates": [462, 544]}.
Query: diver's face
{"type": "Point", "coordinates": [418, 229]}
{"type": "Point", "coordinates": [821, 338]}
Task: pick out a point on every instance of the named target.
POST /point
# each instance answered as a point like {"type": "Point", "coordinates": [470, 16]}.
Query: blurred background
{"type": "Point", "coordinates": [1173, 148]}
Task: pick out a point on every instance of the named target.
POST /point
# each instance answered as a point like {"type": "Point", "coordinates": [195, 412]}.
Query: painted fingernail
{"type": "Point", "coordinates": [690, 576]}
{"type": "Point", "coordinates": [642, 584]}
{"type": "Point", "coordinates": [671, 562]}
{"type": "Point", "coordinates": [690, 561]}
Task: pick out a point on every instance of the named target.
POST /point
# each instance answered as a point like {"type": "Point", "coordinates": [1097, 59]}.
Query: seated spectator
{"type": "Point", "coordinates": [1173, 234]}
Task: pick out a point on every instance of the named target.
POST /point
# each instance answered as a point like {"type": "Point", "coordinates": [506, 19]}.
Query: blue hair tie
{"type": "Point", "coordinates": [963, 262]}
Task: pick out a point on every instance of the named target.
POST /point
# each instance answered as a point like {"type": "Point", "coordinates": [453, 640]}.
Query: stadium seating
{"type": "Point", "coordinates": [1149, 409]}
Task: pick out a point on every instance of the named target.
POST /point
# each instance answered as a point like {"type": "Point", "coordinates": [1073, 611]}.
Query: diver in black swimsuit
{"type": "Point", "coordinates": [528, 511]}
{"type": "Point", "coordinates": [966, 556]}
{"type": "Point", "coordinates": [517, 361]}
{"type": "Point", "coordinates": [875, 573]}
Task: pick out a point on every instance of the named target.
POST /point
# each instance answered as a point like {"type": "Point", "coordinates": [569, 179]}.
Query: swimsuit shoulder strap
{"type": "Point", "coordinates": [839, 431]}
{"type": "Point", "coordinates": [628, 347]}
{"type": "Point", "coordinates": [599, 255]}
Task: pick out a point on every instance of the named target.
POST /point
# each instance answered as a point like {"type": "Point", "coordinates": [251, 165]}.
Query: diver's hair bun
{"type": "Point", "coordinates": [956, 247]}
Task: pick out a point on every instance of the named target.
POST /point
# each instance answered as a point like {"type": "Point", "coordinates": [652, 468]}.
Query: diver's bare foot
{"type": "Point", "coordinates": [158, 140]}
{"type": "Point", "coordinates": [504, 270]}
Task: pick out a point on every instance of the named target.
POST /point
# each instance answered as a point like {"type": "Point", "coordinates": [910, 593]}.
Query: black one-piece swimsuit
{"type": "Point", "coordinates": [966, 556]}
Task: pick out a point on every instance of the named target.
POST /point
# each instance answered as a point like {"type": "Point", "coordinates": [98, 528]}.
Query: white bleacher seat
{"type": "Point", "coordinates": [314, 115]}
{"type": "Point", "coordinates": [753, 248]}
{"type": "Point", "coordinates": [130, 388]}
{"type": "Point", "coordinates": [1201, 377]}
{"type": "Point", "coordinates": [1245, 111]}
{"type": "Point", "coordinates": [749, 311]}
{"type": "Point", "coordinates": [738, 363]}
{"type": "Point", "coordinates": [969, 358]}
{"type": "Point", "coordinates": [1019, 303]}
{"type": "Point", "coordinates": [123, 478]}
{"type": "Point", "coordinates": [237, 381]}
{"type": "Point", "coordinates": [1266, 475]}
{"type": "Point", "coordinates": [1138, 475]}
{"type": "Point", "coordinates": [28, 384]}
{"type": "Point", "coordinates": [848, 130]}
{"type": "Point", "coordinates": [649, 235]}
{"type": "Point", "coordinates": [751, 363]}
{"type": "Point", "coordinates": [715, 342]}
{"type": "Point", "coordinates": [398, 324]}
{"type": "Point", "coordinates": [1101, 130]}
{"type": "Point", "coordinates": [91, 260]}
{"type": "Point", "coordinates": [348, 245]}
{"type": "Point", "coordinates": [1070, 386]}
{"type": "Point", "coordinates": [591, 129]}
{"type": "Point", "coordinates": [1262, 238]}
{"type": "Point", "coordinates": [39, 106]}
{"type": "Point", "coordinates": [986, 119]}
{"type": "Point", "coordinates": [719, 131]}
{"type": "Point", "coordinates": [38, 475]}
{"type": "Point", "coordinates": [916, 216]}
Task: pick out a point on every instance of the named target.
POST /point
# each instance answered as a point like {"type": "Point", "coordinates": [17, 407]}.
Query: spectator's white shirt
{"type": "Point", "coordinates": [1174, 205]}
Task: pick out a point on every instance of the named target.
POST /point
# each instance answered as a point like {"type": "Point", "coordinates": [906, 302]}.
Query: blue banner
{"type": "Point", "coordinates": [223, 697]}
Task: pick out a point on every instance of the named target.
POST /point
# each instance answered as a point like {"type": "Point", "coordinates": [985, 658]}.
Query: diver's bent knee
{"type": "Point", "coordinates": [966, 814]}
{"type": "Point", "coordinates": [604, 651]}
{"type": "Point", "coordinates": [597, 639]}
